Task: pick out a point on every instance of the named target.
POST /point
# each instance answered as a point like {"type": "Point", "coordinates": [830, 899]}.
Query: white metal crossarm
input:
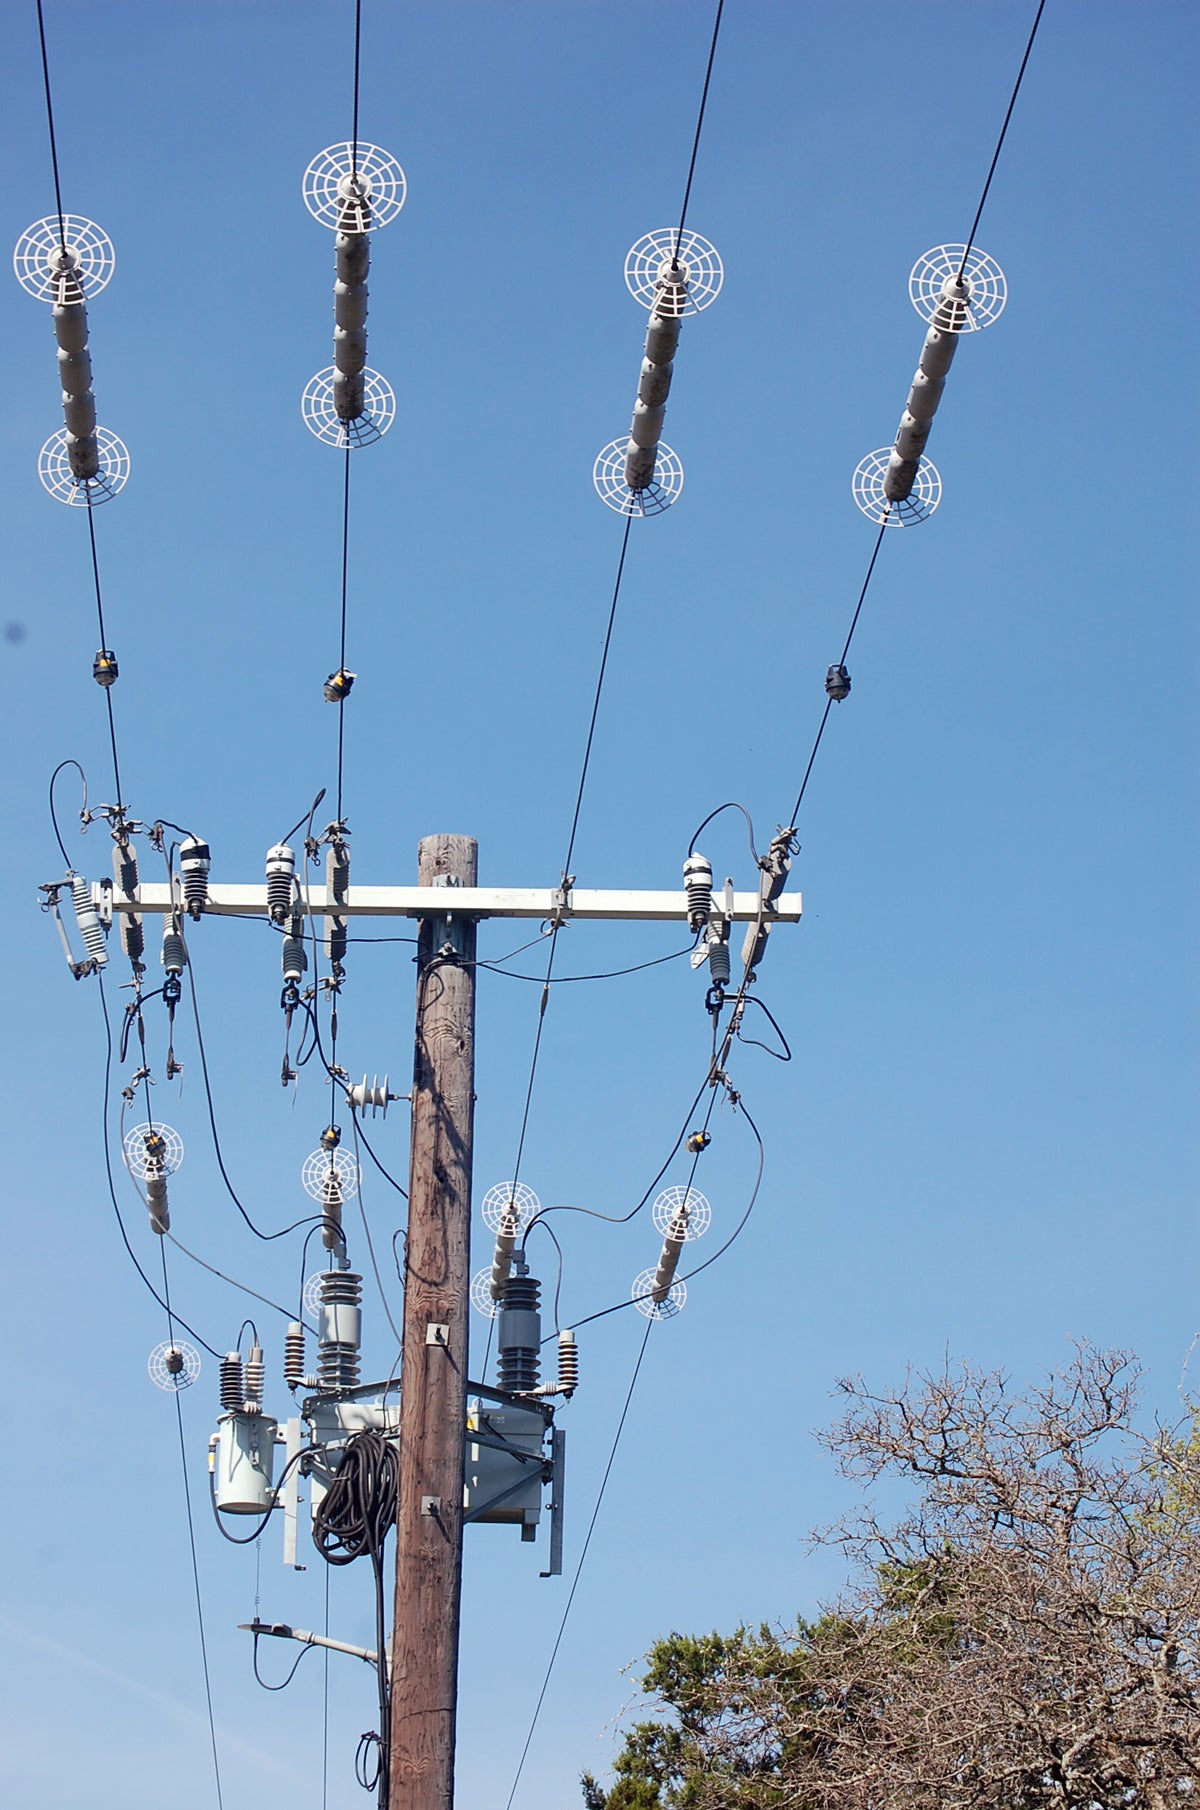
{"type": "Point", "coordinates": [538, 902]}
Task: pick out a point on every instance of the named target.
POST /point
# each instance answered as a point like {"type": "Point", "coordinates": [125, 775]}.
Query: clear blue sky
{"type": "Point", "coordinates": [985, 1140]}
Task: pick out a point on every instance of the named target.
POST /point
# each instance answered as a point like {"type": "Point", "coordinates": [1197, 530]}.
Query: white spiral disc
{"type": "Point", "coordinates": [608, 475]}
{"type": "Point", "coordinates": [322, 419]}
{"type": "Point", "coordinates": [311, 1296]}
{"type": "Point", "coordinates": [666, 1309]}
{"type": "Point", "coordinates": [498, 1199]}
{"type": "Point", "coordinates": [867, 485]}
{"type": "Point", "coordinates": [652, 280]}
{"type": "Point", "coordinates": [668, 1204]}
{"type": "Point", "coordinates": [333, 196]}
{"type": "Point", "coordinates": [38, 260]}
{"type": "Point", "coordinates": [316, 1169]}
{"type": "Point", "coordinates": [54, 469]}
{"type": "Point", "coordinates": [481, 1294]}
{"type": "Point", "coordinates": [138, 1160]}
{"type": "Point", "coordinates": [983, 280]}
{"type": "Point", "coordinates": [164, 1378]}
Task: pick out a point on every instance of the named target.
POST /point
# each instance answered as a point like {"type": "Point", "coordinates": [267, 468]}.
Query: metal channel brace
{"type": "Point", "coordinates": [511, 1452]}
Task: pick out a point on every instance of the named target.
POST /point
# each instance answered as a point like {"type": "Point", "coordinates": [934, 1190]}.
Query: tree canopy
{"type": "Point", "coordinates": [1025, 1637]}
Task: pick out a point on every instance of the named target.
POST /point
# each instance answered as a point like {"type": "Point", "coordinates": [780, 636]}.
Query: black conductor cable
{"type": "Point", "coordinates": [970, 245]}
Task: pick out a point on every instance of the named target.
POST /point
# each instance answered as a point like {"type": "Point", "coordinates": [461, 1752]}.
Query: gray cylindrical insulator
{"type": "Point", "coordinates": [174, 956]}
{"type": "Point", "coordinates": [125, 869]}
{"type": "Point", "coordinates": [293, 1355]}
{"type": "Point", "coordinates": [937, 354]}
{"type": "Point", "coordinates": [646, 427]}
{"type": "Point", "coordinates": [281, 870]}
{"type": "Point", "coordinates": [519, 1335]}
{"type": "Point", "coordinates": [350, 304]}
{"type": "Point", "coordinates": [911, 436]}
{"type": "Point", "coordinates": [352, 252]}
{"type": "Point", "coordinates": [639, 465]}
{"type": "Point", "coordinates": [340, 1329]}
{"type": "Point", "coordinates": [83, 456]}
{"type": "Point", "coordinates": [255, 1375]}
{"type": "Point", "coordinates": [506, 1238]}
{"type": "Point", "coordinates": [133, 936]}
{"type": "Point", "coordinates": [899, 478]}
{"type": "Point", "coordinates": [70, 327]}
{"type": "Point", "coordinates": [195, 859]}
{"type": "Point", "coordinates": [88, 922]}
{"type": "Point", "coordinates": [698, 885]}
{"type": "Point", "coordinates": [331, 1211]}
{"type": "Point", "coordinates": [79, 413]}
{"type": "Point", "coordinates": [654, 385]}
{"type": "Point", "coordinates": [75, 371]}
{"type": "Point", "coordinates": [295, 957]}
{"type": "Point", "coordinates": [662, 338]}
{"type": "Point", "coordinates": [349, 350]}
{"type": "Point", "coordinates": [924, 396]}
{"type": "Point", "coordinates": [664, 1275]}
{"type": "Point", "coordinates": [349, 395]}
{"type": "Point", "coordinates": [568, 1362]}
{"type": "Point", "coordinates": [233, 1385]}
{"type": "Point", "coordinates": [718, 960]}
{"type": "Point", "coordinates": [156, 1200]}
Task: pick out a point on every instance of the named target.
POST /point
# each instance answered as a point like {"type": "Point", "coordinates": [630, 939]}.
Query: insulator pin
{"type": "Point", "coordinates": [281, 874]}
{"type": "Point", "coordinates": [293, 1355]}
{"type": "Point", "coordinates": [340, 1329]}
{"type": "Point", "coordinates": [698, 886]}
{"type": "Point", "coordinates": [519, 1335]}
{"type": "Point", "coordinates": [174, 955]}
{"type": "Point", "coordinates": [718, 954]}
{"type": "Point", "coordinates": [837, 683]}
{"type": "Point", "coordinates": [255, 1379]}
{"type": "Point", "coordinates": [568, 1362]}
{"type": "Point", "coordinates": [295, 957]}
{"type": "Point", "coordinates": [233, 1385]}
{"type": "Point", "coordinates": [195, 859]}
{"type": "Point", "coordinates": [88, 922]}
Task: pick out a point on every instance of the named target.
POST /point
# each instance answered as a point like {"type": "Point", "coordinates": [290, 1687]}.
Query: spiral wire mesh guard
{"type": "Point", "coordinates": [54, 469]}
{"type": "Point", "coordinates": [37, 258]}
{"type": "Point", "coordinates": [329, 186]}
{"type": "Point", "coordinates": [316, 1169]}
{"type": "Point", "coordinates": [481, 1294]}
{"type": "Point", "coordinates": [140, 1162]}
{"type": "Point", "coordinates": [608, 475]}
{"type": "Point", "coordinates": [498, 1199]}
{"type": "Point", "coordinates": [667, 1205]}
{"type": "Point", "coordinates": [666, 1309]}
{"type": "Point", "coordinates": [321, 418]}
{"type": "Point", "coordinates": [878, 508]}
{"type": "Point", "coordinates": [983, 278]}
{"type": "Point", "coordinates": [173, 1367]}
{"type": "Point", "coordinates": [648, 271]}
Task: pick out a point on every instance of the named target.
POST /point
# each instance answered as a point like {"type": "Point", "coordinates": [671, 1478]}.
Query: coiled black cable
{"type": "Point", "coordinates": [355, 1517]}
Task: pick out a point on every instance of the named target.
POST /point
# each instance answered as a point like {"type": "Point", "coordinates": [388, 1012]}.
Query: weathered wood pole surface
{"type": "Point", "coordinates": [434, 1371]}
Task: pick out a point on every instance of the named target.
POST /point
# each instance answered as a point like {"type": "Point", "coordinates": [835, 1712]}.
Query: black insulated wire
{"type": "Point", "coordinates": [62, 231]}
{"type": "Point", "coordinates": [687, 192]}
{"type": "Point", "coordinates": [970, 245]}
{"type": "Point", "coordinates": [562, 1626]}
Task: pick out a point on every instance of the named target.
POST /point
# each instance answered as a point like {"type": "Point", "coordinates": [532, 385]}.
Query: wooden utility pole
{"type": "Point", "coordinates": [424, 1665]}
